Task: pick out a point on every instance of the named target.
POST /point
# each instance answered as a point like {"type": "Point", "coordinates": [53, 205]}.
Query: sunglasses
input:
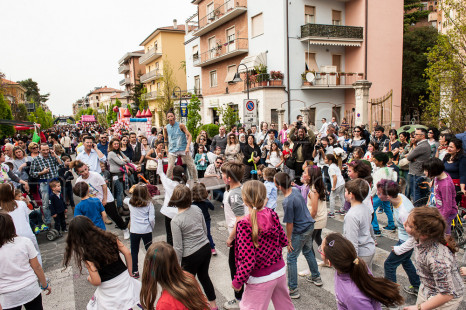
{"type": "Point", "coordinates": [221, 162]}
{"type": "Point", "coordinates": [357, 131]}
{"type": "Point", "coordinates": [35, 147]}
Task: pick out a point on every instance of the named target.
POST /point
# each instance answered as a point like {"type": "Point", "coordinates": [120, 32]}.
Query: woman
{"type": "Point", "coordinates": [331, 141]}
{"type": "Point", "coordinates": [126, 149]}
{"type": "Point", "coordinates": [200, 141]}
{"type": "Point", "coordinates": [145, 148]}
{"type": "Point", "coordinates": [283, 134]}
{"type": "Point", "coordinates": [455, 164]}
{"type": "Point", "coordinates": [5, 169]}
{"type": "Point", "coordinates": [357, 141]}
{"type": "Point", "coordinates": [33, 148]}
{"type": "Point", "coordinates": [20, 270]}
{"type": "Point", "coordinates": [393, 145]}
{"type": "Point", "coordinates": [404, 140]}
{"type": "Point", "coordinates": [250, 151]}
{"type": "Point", "coordinates": [233, 148]}
{"type": "Point", "coordinates": [59, 150]}
{"type": "Point", "coordinates": [432, 137]}
{"type": "Point", "coordinates": [21, 163]}
{"type": "Point", "coordinates": [117, 161]}
{"type": "Point", "coordinates": [444, 141]}
{"type": "Point", "coordinates": [204, 134]}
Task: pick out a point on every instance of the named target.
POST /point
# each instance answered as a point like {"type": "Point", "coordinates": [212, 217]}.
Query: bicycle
{"type": "Point", "coordinates": [457, 229]}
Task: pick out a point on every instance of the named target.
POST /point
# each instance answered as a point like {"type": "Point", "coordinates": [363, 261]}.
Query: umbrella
{"type": "Point", "coordinates": [410, 128]}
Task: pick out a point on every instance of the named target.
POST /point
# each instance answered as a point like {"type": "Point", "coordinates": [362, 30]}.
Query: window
{"type": "Point", "coordinates": [213, 78]}
{"type": "Point", "coordinates": [197, 85]}
{"type": "Point", "coordinates": [157, 65]}
{"type": "Point", "coordinates": [231, 71]}
{"type": "Point", "coordinates": [210, 12]}
{"type": "Point", "coordinates": [257, 24]}
{"type": "Point", "coordinates": [274, 116]}
{"type": "Point", "coordinates": [195, 52]}
{"type": "Point", "coordinates": [155, 45]}
{"type": "Point", "coordinates": [336, 17]}
{"type": "Point", "coordinates": [312, 116]}
{"type": "Point", "coordinates": [212, 48]}
{"type": "Point", "coordinates": [311, 64]}
{"type": "Point", "coordinates": [158, 86]}
{"type": "Point", "coordinates": [309, 14]}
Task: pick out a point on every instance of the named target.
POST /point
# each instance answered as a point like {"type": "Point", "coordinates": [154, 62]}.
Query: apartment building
{"type": "Point", "coordinates": [163, 46]}
{"type": "Point", "coordinates": [99, 99]}
{"type": "Point", "coordinates": [13, 92]}
{"type": "Point", "coordinates": [131, 69]}
{"type": "Point", "coordinates": [330, 45]}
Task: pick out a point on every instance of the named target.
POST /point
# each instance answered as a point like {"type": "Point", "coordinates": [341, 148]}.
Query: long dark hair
{"type": "Point", "coordinates": [179, 175]}
{"type": "Point", "coordinates": [315, 178]}
{"type": "Point", "coordinates": [87, 242]}
{"type": "Point", "coordinates": [342, 255]}
{"type": "Point", "coordinates": [7, 228]}
{"type": "Point", "coordinates": [7, 197]}
{"type": "Point", "coordinates": [459, 145]}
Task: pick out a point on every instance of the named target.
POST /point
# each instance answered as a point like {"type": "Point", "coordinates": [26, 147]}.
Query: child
{"type": "Point", "coordinates": [180, 290]}
{"type": "Point", "coordinates": [356, 226]}
{"type": "Point", "coordinates": [316, 202]}
{"type": "Point", "coordinates": [299, 229]}
{"type": "Point", "coordinates": [212, 156]}
{"type": "Point", "coordinates": [401, 255]}
{"type": "Point", "coordinates": [142, 219]}
{"type": "Point", "coordinates": [265, 269]}
{"type": "Point", "coordinates": [66, 176]}
{"type": "Point", "coordinates": [190, 240]}
{"type": "Point", "coordinates": [441, 283]}
{"type": "Point", "coordinates": [260, 172]}
{"type": "Point", "coordinates": [201, 161]}
{"type": "Point", "coordinates": [105, 173]}
{"type": "Point", "coordinates": [286, 155]}
{"type": "Point", "coordinates": [355, 286]}
{"type": "Point", "coordinates": [89, 206]}
{"type": "Point", "coordinates": [338, 185]}
{"type": "Point", "coordinates": [444, 190]}
{"type": "Point", "coordinates": [100, 252]}
{"type": "Point", "coordinates": [57, 206]}
{"type": "Point", "coordinates": [391, 164]}
{"type": "Point", "coordinates": [232, 173]}
{"type": "Point", "coordinates": [371, 148]}
{"type": "Point", "coordinates": [271, 199]}
{"type": "Point", "coordinates": [274, 157]}
{"type": "Point", "coordinates": [200, 200]}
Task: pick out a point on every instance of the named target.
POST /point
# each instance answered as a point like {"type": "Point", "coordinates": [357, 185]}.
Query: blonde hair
{"type": "Point", "coordinates": [254, 194]}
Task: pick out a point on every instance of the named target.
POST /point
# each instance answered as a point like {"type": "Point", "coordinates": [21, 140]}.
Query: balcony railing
{"type": "Point", "coordinates": [262, 80]}
{"type": "Point", "coordinates": [218, 16]}
{"type": "Point", "coordinates": [149, 56]}
{"type": "Point", "coordinates": [150, 76]}
{"type": "Point", "coordinates": [123, 69]}
{"type": "Point", "coordinates": [125, 81]}
{"type": "Point", "coordinates": [324, 80]}
{"type": "Point", "coordinates": [335, 33]}
{"type": "Point", "coordinates": [124, 94]}
{"type": "Point", "coordinates": [222, 51]}
{"type": "Point", "coordinates": [151, 95]}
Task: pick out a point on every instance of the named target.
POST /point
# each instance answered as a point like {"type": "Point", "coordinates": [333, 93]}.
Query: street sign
{"type": "Point", "coordinates": [250, 111]}
{"type": "Point", "coordinates": [184, 109]}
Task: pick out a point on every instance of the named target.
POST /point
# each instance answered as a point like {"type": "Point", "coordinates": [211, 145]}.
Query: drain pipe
{"type": "Point", "coordinates": [367, 23]}
{"type": "Point", "coordinates": [288, 63]}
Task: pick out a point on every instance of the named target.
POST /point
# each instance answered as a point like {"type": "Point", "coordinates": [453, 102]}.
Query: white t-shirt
{"type": "Point", "coordinates": [275, 159]}
{"type": "Point", "coordinates": [334, 170]}
{"type": "Point", "coordinates": [95, 182]}
{"type": "Point", "coordinates": [21, 220]}
{"type": "Point", "coordinates": [18, 283]}
{"type": "Point", "coordinates": [142, 218]}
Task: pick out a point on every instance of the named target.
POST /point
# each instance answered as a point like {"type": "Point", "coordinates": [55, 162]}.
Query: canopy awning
{"type": "Point", "coordinates": [317, 41]}
{"type": "Point", "coordinates": [253, 61]}
{"type": "Point", "coordinates": [88, 118]}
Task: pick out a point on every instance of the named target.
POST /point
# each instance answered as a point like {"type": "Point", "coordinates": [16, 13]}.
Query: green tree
{"type": "Point", "coordinates": [113, 116]}
{"type": "Point", "coordinates": [228, 116]}
{"type": "Point", "coordinates": [412, 12]}
{"type": "Point", "coordinates": [5, 113]}
{"type": "Point", "coordinates": [82, 111]}
{"type": "Point", "coordinates": [45, 119]}
{"type": "Point", "coordinates": [21, 113]}
{"type": "Point", "coordinates": [168, 85]}
{"type": "Point", "coordinates": [136, 96]}
{"type": "Point", "coordinates": [194, 116]}
{"type": "Point", "coordinates": [33, 91]}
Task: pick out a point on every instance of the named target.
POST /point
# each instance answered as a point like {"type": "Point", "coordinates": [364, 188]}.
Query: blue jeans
{"type": "Point", "coordinates": [409, 190]}
{"type": "Point", "coordinates": [388, 211]}
{"type": "Point", "coordinates": [416, 191]}
{"type": "Point", "coordinates": [302, 242]}
{"type": "Point", "coordinates": [393, 261]}
{"type": "Point", "coordinates": [44, 193]}
{"type": "Point", "coordinates": [118, 193]}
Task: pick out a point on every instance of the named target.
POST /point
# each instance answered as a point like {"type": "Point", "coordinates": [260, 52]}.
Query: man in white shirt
{"type": "Point", "coordinates": [91, 155]}
{"type": "Point", "coordinates": [323, 129]}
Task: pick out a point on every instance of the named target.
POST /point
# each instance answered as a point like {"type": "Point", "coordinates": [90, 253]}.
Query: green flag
{"type": "Point", "coordinates": [35, 137]}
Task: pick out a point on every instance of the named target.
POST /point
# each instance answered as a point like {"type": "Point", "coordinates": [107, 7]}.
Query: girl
{"type": "Point", "coordinates": [444, 190]}
{"type": "Point", "coordinates": [201, 161]}
{"type": "Point", "coordinates": [355, 286]}
{"type": "Point", "coordinates": [190, 240]}
{"type": "Point", "coordinates": [20, 270]}
{"type": "Point", "coordinates": [371, 148]}
{"type": "Point", "coordinates": [274, 157]}
{"type": "Point", "coordinates": [100, 252]}
{"type": "Point", "coordinates": [358, 153]}
{"type": "Point", "coordinates": [338, 185]}
{"type": "Point", "coordinates": [392, 145]}
{"type": "Point", "coordinates": [180, 290]}
{"type": "Point", "coordinates": [441, 283]}
{"type": "Point", "coordinates": [260, 270]}
{"type": "Point", "coordinates": [286, 155]}
{"type": "Point", "coordinates": [142, 217]}
{"type": "Point", "coordinates": [200, 200]}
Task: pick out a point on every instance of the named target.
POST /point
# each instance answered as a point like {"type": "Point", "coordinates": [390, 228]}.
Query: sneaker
{"type": "Point", "coordinates": [214, 252]}
{"type": "Point", "coordinates": [304, 273]}
{"type": "Point", "coordinates": [136, 274]}
{"type": "Point", "coordinates": [108, 222]}
{"type": "Point", "coordinates": [43, 227]}
{"type": "Point", "coordinates": [316, 280]}
{"type": "Point", "coordinates": [340, 212]}
{"type": "Point", "coordinates": [294, 294]}
{"type": "Point", "coordinates": [331, 214]}
{"type": "Point", "coordinates": [389, 229]}
{"type": "Point", "coordinates": [36, 230]}
{"type": "Point", "coordinates": [126, 234]}
{"type": "Point", "coordinates": [411, 290]}
{"type": "Point", "coordinates": [377, 233]}
{"type": "Point", "coordinates": [232, 304]}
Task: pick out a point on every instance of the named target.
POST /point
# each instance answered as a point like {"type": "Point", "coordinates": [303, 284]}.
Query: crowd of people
{"type": "Point", "coordinates": [416, 178]}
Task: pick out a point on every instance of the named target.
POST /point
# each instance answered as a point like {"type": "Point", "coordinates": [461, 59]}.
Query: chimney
{"type": "Point", "coordinates": [175, 26]}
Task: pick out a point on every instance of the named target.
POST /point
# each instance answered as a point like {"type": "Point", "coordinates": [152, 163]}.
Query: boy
{"type": "Point", "coordinates": [271, 201]}
{"type": "Point", "coordinates": [299, 229]}
{"type": "Point", "coordinates": [105, 173]}
{"type": "Point", "coordinates": [90, 207]}
{"type": "Point", "coordinates": [392, 165]}
{"type": "Point", "coordinates": [232, 173]}
{"type": "Point", "coordinates": [357, 223]}
{"type": "Point", "coordinates": [57, 206]}
{"type": "Point", "coordinates": [66, 176]}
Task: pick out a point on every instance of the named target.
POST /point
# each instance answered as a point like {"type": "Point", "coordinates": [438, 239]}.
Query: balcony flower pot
{"type": "Point", "coordinates": [360, 75]}
{"type": "Point", "coordinates": [332, 73]}
{"type": "Point", "coordinates": [276, 82]}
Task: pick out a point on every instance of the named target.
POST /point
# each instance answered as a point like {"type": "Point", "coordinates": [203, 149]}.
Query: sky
{"type": "Point", "coordinates": [70, 47]}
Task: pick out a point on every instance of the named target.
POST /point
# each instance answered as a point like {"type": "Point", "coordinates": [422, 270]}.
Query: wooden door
{"type": "Point", "coordinates": [336, 62]}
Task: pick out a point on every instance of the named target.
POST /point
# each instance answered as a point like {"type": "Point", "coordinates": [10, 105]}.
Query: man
{"type": "Point", "coordinates": [177, 141]}
{"type": "Point", "coordinates": [152, 137]}
{"type": "Point", "coordinates": [331, 132]}
{"type": "Point", "coordinates": [263, 134]}
{"type": "Point", "coordinates": [462, 137]}
{"type": "Point", "coordinates": [323, 129]}
{"type": "Point", "coordinates": [272, 127]}
{"type": "Point", "coordinates": [22, 145]}
{"type": "Point", "coordinates": [91, 155]}
{"type": "Point", "coordinates": [219, 140]}
{"type": "Point", "coordinates": [214, 171]}
{"type": "Point", "coordinates": [334, 123]}
{"type": "Point", "coordinates": [9, 152]}
{"type": "Point", "coordinates": [417, 157]}
{"type": "Point", "coordinates": [302, 148]}
{"type": "Point", "coordinates": [379, 137]}
{"type": "Point", "coordinates": [66, 143]}
{"type": "Point", "coordinates": [254, 132]}
{"type": "Point", "coordinates": [103, 144]}
{"type": "Point", "coordinates": [45, 168]}
{"type": "Point", "coordinates": [136, 145]}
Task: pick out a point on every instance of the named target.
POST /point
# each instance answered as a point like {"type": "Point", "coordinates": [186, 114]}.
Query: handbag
{"type": "Point", "coordinates": [404, 164]}
{"type": "Point", "coordinates": [151, 164]}
{"type": "Point", "coordinates": [291, 162]}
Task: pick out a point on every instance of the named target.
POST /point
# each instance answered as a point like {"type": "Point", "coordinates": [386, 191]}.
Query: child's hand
{"type": "Point", "coordinates": [54, 215]}
{"type": "Point", "coordinates": [463, 271]}
{"type": "Point", "coordinates": [230, 242]}
{"type": "Point", "coordinates": [290, 247]}
{"type": "Point", "coordinates": [293, 184]}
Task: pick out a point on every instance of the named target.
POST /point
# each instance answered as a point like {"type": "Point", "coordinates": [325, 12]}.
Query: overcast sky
{"type": "Point", "coordinates": [70, 47]}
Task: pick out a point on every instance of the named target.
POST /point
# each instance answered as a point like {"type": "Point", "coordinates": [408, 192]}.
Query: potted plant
{"type": "Point", "coordinates": [277, 78]}
{"type": "Point", "coordinates": [252, 80]}
{"type": "Point", "coordinates": [262, 76]}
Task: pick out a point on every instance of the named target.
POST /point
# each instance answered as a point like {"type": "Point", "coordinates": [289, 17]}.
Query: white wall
{"type": "Point", "coordinates": [191, 71]}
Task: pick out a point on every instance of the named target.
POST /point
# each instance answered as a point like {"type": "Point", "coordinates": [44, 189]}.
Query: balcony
{"type": "Point", "coordinates": [149, 56]}
{"type": "Point", "coordinates": [150, 76]}
{"type": "Point", "coordinates": [221, 52]}
{"type": "Point", "coordinates": [332, 35]}
{"type": "Point", "coordinates": [219, 16]}
{"type": "Point", "coordinates": [123, 69]}
{"type": "Point", "coordinates": [332, 80]}
{"type": "Point", "coordinates": [124, 94]}
{"type": "Point", "coordinates": [153, 95]}
{"type": "Point", "coordinates": [125, 81]}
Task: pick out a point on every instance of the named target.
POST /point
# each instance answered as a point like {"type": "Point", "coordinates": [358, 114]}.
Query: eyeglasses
{"type": "Point", "coordinates": [431, 132]}
{"type": "Point", "coordinates": [219, 162]}
{"type": "Point", "coordinates": [34, 147]}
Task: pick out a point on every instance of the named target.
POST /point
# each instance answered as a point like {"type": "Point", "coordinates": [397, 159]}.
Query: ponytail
{"type": "Point", "coordinates": [255, 227]}
{"type": "Point", "coordinates": [76, 164]}
{"type": "Point", "coordinates": [254, 193]}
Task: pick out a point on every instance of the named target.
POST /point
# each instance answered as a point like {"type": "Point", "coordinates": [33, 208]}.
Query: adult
{"type": "Point", "coordinates": [344, 124]}
{"type": "Point", "coordinates": [250, 151]}
{"type": "Point", "coordinates": [357, 140]}
{"type": "Point", "coordinates": [91, 155]}
{"type": "Point", "coordinates": [152, 137]}
{"type": "Point", "coordinates": [8, 149]}
{"type": "Point", "coordinates": [117, 161]}
{"type": "Point", "coordinates": [66, 143]}
{"type": "Point", "coordinates": [267, 144]}
{"type": "Point", "coordinates": [254, 132]}
{"type": "Point", "coordinates": [303, 144]}
{"type": "Point", "coordinates": [103, 143]}
{"type": "Point", "coordinates": [214, 171]}
{"type": "Point", "coordinates": [418, 155]}
{"type": "Point", "coordinates": [135, 145]}
{"type": "Point", "coordinates": [45, 168]}
{"type": "Point", "coordinates": [20, 163]}
{"type": "Point", "coordinates": [233, 148]}
{"type": "Point", "coordinates": [219, 140]}
{"type": "Point", "coordinates": [335, 123]}
{"type": "Point", "coordinates": [323, 129]}
{"type": "Point", "coordinates": [125, 148]}
{"type": "Point", "coordinates": [392, 144]}
{"type": "Point", "coordinates": [379, 137]}
{"type": "Point", "coordinates": [433, 139]}
{"type": "Point", "coordinates": [22, 144]}
{"type": "Point", "coordinates": [178, 140]}
{"type": "Point", "coordinates": [455, 164]}
{"type": "Point", "coordinates": [272, 127]}
{"type": "Point", "coordinates": [444, 141]}
{"type": "Point", "coordinates": [259, 139]}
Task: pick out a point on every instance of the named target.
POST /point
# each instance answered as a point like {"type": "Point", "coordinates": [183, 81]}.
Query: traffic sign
{"type": "Point", "coordinates": [184, 109]}
{"type": "Point", "coordinates": [250, 111]}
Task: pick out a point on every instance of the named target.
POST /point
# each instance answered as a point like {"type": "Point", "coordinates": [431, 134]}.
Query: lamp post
{"type": "Point", "coordinates": [238, 77]}
{"type": "Point", "coordinates": [179, 105]}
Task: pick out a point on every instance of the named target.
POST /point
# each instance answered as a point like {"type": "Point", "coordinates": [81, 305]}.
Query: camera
{"type": "Point", "coordinates": [318, 146]}
{"type": "Point", "coordinates": [299, 124]}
